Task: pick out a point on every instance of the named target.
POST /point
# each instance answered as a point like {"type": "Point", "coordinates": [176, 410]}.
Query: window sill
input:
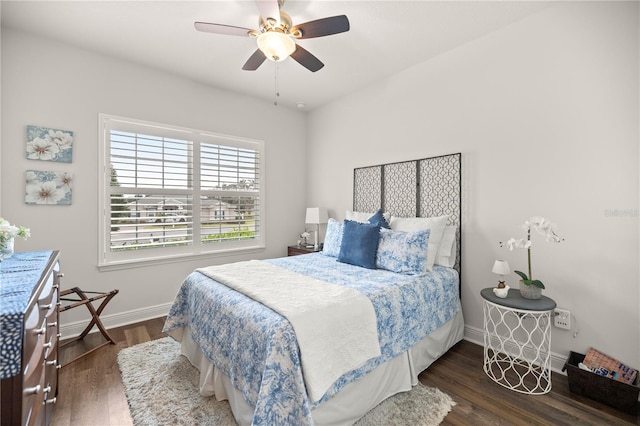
{"type": "Point", "coordinates": [161, 260]}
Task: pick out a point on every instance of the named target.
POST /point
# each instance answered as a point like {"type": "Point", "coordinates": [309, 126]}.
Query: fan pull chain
{"type": "Point", "coordinates": [276, 86]}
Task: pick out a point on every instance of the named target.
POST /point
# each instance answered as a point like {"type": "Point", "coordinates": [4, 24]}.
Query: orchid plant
{"type": "Point", "coordinates": [9, 231]}
{"type": "Point", "coordinates": [543, 227]}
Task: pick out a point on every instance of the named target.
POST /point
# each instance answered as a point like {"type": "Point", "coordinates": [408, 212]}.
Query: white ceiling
{"type": "Point", "coordinates": [385, 37]}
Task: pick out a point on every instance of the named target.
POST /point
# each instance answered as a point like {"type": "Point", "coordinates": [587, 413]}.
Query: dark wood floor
{"type": "Point", "coordinates": [91, 392]}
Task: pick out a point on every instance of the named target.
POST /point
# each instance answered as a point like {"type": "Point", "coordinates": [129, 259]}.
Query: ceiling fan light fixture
{"type": "Point", "coordinates": [275, 45]}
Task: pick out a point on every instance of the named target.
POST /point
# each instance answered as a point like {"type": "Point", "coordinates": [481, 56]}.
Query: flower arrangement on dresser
{"type": "Point", "coordinates": [531, 288]}
{"type": "Point", "coordinates": [302, 241]}
{"type": "Point", "coordinates": [8, 233]}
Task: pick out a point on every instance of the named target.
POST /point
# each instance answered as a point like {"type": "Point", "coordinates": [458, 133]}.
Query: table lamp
{"type": "Point", "coordinates": [501, 267]}
{"type": "Point", "coordinates": [316, 216]}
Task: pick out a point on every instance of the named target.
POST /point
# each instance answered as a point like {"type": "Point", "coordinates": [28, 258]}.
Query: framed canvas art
{"type": "Point", "coordinates": [48, 187]}
{"type": "Point", "coordinates": [49, 144]}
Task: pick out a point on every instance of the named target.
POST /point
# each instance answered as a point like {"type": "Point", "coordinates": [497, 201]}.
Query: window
{"type": "Point", "coordinates": [169, 192]}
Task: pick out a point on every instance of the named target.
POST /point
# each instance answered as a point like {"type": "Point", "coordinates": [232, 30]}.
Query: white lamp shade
{"type": "Point", "coordinates": [316, 215]}
{"type": "Point", "coordinates": [276, 46]}
{"type": "Point", "coordinates": [501, 267]}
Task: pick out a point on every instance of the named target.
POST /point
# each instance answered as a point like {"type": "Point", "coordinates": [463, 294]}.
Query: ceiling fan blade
{"type": "Point", "coordinates": [269, 9]}
{"type": "Point", "coordinates": [254, 61]}
{"type": "Point", "coordinates": [306, 59]}
{"type": "Point", "coordinates": [222, 29]}
{"type": "Point", "coordinates": [322, 27]}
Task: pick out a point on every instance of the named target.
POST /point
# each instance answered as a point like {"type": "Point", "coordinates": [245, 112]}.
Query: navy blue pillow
{"type": "Point", "coordinates": [359, 244]}
{"type": "Point", "coordinates": [379, 219]}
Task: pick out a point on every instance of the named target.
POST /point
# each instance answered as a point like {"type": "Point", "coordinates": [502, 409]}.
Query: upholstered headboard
{"type": "Point", "coordinates": [418, 188]}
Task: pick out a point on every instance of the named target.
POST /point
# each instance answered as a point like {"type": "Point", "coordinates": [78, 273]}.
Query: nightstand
{"type": "Point", "coordinates": [295, 250]}
{"type": "Point", "coordinates": [517, 341]}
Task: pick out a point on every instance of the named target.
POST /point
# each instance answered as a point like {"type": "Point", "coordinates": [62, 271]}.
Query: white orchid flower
{"type": "Point", "coordinates": [513, 244]}
{"type": "Point", "coordinates": [543, 227]}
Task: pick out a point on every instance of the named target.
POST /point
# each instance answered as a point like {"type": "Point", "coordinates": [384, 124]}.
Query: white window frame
{"type": "Point", "coordinates": [109, 259]}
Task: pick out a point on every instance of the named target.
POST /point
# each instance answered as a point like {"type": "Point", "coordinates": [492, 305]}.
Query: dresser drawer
{"type": "Point", "coordinates": [32, 407]}
{"type": "Point", "coordinates": [51, 384]}
{"type": "Point", "coordinates": [35, 333]}
{"type": "Point", "coordinates": [47, 299]}
{"type": "Point", "coordinates": [33, 389]}
{"type": "Point", "coordinates": [33, 365]}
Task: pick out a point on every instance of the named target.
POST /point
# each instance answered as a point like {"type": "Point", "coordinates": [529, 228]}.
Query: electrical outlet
{"type": "Point", "coordinates": [562, 318]}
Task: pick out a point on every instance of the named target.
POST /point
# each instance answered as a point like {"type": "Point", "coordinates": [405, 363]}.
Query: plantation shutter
{"type": "Point", "coordinates": [178, 191]}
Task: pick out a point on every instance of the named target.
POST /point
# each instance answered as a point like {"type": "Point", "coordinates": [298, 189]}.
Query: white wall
{"type": "Point", "coordinates": [53, 85]}
{"type": "Point", "coordinates": [545, 112]}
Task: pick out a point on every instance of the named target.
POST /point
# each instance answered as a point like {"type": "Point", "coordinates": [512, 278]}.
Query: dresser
{"type": "Point", "coordinates": [29, 289]}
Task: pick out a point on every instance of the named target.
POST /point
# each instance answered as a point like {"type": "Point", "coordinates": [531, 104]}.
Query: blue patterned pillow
{"type": "Point", "coordinates": [403, 252]}
{"type": "Point", "coordinates": [378, 218]}
{"type": "Point", "coordinates": [359, 244]}
{"type": "Point", "coordinates": [332, 238]}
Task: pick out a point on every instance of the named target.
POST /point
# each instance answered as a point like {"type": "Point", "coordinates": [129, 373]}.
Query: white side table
{"type": "Point", "coordinates": [517, 341]}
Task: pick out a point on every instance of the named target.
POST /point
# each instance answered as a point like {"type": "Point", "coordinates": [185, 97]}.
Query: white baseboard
{"type": "Point", "coordinates": [476, 335]}
{"type": "Point", "coordinates": [116, 320]}
{"type": "Point", "coordinates": [471, 334]}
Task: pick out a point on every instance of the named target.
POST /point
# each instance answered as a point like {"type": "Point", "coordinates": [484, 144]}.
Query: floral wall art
{"type": "Point", "coordinates": [49, 144]}
{"type": "Point", "coordinates": [48, 187]}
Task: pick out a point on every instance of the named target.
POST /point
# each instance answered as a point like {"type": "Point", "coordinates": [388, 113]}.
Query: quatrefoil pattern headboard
{"type": "Point", "coordinates": [417, 188]}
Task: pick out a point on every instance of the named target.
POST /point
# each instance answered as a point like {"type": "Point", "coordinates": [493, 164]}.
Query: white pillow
{"type": "Point", "coordinates": [435, 224]}
{"type": "Point", "coordinates": [447, 251]}
{"type": "Point", "coordinates": [363, 217]}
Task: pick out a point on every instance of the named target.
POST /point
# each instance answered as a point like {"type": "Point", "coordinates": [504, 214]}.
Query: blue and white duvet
{"type": "Point", "coordinates": [257, 348]}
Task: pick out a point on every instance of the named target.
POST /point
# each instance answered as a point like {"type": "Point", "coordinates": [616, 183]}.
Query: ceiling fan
{"type": "Point", "coordinates": [277, 35]}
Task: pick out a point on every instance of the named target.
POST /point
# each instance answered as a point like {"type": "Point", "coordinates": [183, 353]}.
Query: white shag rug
{"type": "Point", "coordinates": [162, 389]}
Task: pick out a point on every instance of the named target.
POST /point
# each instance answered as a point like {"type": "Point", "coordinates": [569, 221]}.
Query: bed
{"type": "Point", "coordinates": [277, 366]}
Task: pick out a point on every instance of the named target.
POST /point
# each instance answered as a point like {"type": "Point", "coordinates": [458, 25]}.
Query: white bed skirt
{"type": "Point", "coordinates": [355, 399]}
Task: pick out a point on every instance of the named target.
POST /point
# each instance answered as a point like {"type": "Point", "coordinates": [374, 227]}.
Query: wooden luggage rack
{"type": "Point", "coordinates": [83, 300]}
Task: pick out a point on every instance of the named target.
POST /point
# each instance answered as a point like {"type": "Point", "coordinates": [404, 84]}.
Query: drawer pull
{"type": "Point", "coordinates": [60, 274]}
{"type": "Point", "coordinates": [50, 401]}
{"type": "Point", "coordinates": [47, 345]}
{"type": "Point", "coordinates": [54, 324]}
{"type": "Point", "coordinates": [59, 335]}
{"type": "Point", "coordinates": [41, 330]}
{"type": "Point", "coordinates": [58, 367]}
{"type": "Point", "coordinates": [52, 362]}
{"type": "Point", "coordinates": [56, 286]}
{"type": "Point", "coordinates": [47, 389]}
{"type": "Point", "coordinates": [32, 391]}
{"type": "Point", "coordinates": [46, 307]}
